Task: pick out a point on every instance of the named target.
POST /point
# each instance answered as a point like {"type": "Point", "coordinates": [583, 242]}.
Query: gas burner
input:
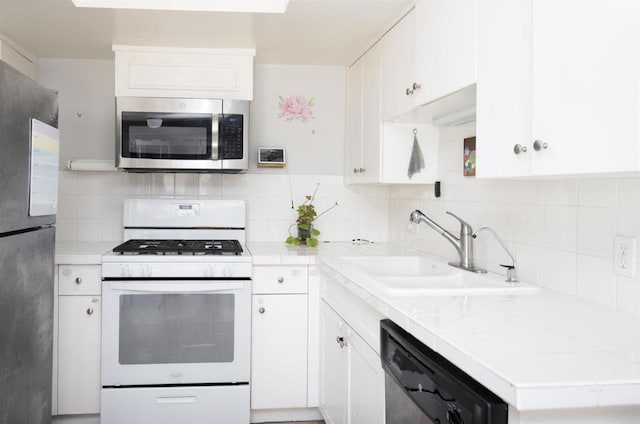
{"type": "Point", "coordinates": [179, 247]}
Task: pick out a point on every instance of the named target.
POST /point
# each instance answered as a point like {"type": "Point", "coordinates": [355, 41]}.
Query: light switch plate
{"type": "Point", "coordinates": [624, 256]}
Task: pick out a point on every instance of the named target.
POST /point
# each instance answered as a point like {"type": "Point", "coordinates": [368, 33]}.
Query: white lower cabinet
{"type": "Point", "coordinates": [78, 355]}
{"type": "Point", "coordinates": [280, 338]}
{"type": "Point", "coordinates": [366, 383]}
{"type": "Point", "coordinates": [352, 375]}
{"type": "Point", "coordinates": [334, 375]}
{"type": "Point", "coordinates": [279, 343]}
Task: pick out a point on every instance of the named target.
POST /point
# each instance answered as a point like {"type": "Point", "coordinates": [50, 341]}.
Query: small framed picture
{"type": "Point", "coordinates": [271, 157]}
{"type": "Point", "coordinates": [469, 157]}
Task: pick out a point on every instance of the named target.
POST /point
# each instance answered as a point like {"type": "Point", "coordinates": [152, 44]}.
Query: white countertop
{"type": "Point", "coordinates": [542, 350]}
{"type": "Point", "coordinates": [82, 253]}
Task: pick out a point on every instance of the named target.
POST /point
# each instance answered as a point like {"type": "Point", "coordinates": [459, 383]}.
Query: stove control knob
{"type": "Point", "coordinates": [126, 271]}
{"type": "Point", "coordinates": [147, 270]}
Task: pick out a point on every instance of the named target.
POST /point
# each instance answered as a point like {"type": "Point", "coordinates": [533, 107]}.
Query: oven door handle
{"type": "Point", "coordinates": [176, 287]}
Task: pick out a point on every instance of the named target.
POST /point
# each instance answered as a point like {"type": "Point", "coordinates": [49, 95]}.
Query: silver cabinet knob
{"type": "Point", "coordinates": [355, 170]}
{"type": "Point", "coordinates": [280, 280]}
{"type": "Point", "coordinates": [416, 86]}
{"type": "Point", "coordinates": [409, 92]}
{"type": "Point", "coordinates": [78, 280]}
{"type": "Point", "coordinates": [261, 310]}
{"type": "Point", "coordinates": [89, 311]}
{"type": "Point", "coordinates": [519, 148]}
{"type": "Point", "coordinates": [341, 342]}
{"type": "Point", "coordinates": [539, 145]}
{"type": "Point", "coordinates": [361, 170]}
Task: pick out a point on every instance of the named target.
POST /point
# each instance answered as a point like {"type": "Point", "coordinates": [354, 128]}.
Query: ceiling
{"type": "Point", "coordinates": [311, 32]}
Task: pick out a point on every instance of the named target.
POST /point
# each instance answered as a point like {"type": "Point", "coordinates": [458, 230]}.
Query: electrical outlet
{"type": "Point", "coordinates": [624, 256]}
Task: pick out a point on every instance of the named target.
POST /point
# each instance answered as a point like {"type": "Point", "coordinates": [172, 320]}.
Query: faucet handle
{"type": "Point", "coordinates": [465, 228]}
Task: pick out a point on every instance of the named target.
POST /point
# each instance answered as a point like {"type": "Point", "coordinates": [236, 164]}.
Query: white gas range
{"type": "Point", "coordinates": [176, 315]}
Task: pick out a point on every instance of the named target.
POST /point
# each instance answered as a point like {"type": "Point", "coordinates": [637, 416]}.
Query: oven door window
{"type": "Point", "coordinates": [169, 136]}
{"type": "Point", "coordinates": [176, 328]}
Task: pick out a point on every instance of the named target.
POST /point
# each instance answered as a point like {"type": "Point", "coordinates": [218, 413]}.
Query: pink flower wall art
{"type": "Point", "coordinates": [294, 108]}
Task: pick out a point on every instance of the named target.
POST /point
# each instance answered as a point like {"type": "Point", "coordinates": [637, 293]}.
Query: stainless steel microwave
{"type": "Point", "coordinates": [181, 135]}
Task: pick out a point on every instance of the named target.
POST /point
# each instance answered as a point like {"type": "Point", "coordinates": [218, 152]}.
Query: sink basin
{"type": "Point", "coordinates": [448, 286]}
{"type": "Point", "coordinates": [401, 266]}
{"type": "Point", "coordinates": [418, 275]}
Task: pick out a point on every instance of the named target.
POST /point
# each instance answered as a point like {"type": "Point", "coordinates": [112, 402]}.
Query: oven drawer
{"type": "Point", "coordinates": [170, 405]}
{"type": "Point", "coordinates": [79, 280]}
{"type": "Point", "coordinates": [279, 279]}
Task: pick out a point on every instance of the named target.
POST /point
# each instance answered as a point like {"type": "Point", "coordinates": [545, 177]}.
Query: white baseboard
{"type": "Point", "coordinates": [277, 415]}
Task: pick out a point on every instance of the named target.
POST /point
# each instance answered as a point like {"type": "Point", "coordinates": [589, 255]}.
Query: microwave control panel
{"type": "Point", "coordinates": [231, 136]}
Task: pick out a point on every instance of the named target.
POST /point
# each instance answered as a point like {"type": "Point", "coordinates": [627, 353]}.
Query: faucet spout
{"type": "Point", "coordinates": [417, 217]}
{"type": "Point", "coordinates": [463, 244]}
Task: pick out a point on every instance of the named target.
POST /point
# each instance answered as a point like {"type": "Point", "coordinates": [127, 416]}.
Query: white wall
{"type": "Point", "coordinates": [87, 113]}
{"type": "Point", "coordinates": [313, 147]}
{"type": "Point", "coordinates": [561, 230]}
{"type": "Point", "coordinates": [86, 106]}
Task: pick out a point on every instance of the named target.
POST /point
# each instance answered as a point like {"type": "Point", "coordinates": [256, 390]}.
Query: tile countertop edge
{"type": "Point", "coordinates": [523, 397]}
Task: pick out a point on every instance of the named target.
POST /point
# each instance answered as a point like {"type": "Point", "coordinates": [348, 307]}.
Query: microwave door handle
{"type": "Point", "coordinates": [208, 287]}
{"type": "Point", "coordinates": [215, 137]}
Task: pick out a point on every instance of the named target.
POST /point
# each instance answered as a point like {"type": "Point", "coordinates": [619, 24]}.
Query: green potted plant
{"type": "Point", "coordinates": [306, 233]}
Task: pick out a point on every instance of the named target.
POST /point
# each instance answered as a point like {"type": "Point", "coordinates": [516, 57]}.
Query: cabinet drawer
{"type": "Point", "coordinates": [79, 280]}
{"type": "Point", "coordinates": [279, 279]}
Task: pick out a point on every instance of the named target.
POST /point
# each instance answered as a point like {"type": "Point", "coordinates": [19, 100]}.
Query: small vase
{"type": "Point", "coordinates": [304, 234]}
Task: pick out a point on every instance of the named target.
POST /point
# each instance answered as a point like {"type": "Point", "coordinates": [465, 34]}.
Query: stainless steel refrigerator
{"type": "Point", "coordinates": [28, 200]}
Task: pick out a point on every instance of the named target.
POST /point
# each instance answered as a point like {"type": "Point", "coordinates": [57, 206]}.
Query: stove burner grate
{"type": "Point", "coordinates": [180, 247]}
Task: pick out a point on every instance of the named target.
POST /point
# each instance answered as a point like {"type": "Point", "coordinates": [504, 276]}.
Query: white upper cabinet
{"type": "Point", "coordinates": [429, 54]}
{"type": "Point", "coordinates": [396, 68]}
{"type": "Point", "coordinates": [353, 142]}
{"type": "Point", "coordinates": [558, 88]}
{"type": "Point", "coordinates": [188, 73]}
{"type": "Point", "coordinates": [364, 125]}
{"type": "Point", "coordinates": [378, 152]}
{"type": "Point", "coordinates": [445, 48]}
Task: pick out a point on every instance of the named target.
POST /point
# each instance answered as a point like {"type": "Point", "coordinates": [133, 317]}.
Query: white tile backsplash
{"type": "Point", "coordinates": [596, 280]}
{"type": "Point", "coordinates": [596, 228]}
{"type": "Point", "coordinates": [92, 211]}
{"type": "Point", "coordinates": [598, 192]}
{"type": "Point", "coordinates": [561, 231]}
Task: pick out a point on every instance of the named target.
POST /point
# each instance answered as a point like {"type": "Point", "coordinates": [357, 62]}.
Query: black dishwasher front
{"type": "Point", "coordinates": [422, 387]}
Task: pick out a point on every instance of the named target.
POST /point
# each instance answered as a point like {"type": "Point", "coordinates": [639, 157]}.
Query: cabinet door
{"type": "Point", "coordinates": [79, 355]}
{"type": "Point", "coordinates": [334, 363]}
{"type": "Point", "coordinates": [371, 119]}
{"type": "Point", "coordinates": [279, 351]}
{"type": "Point", "coordinates": [353, 143]}
{"type": "Point", "coordinates": [504, 88]}
{"type": "Point", "coordinates": [396, 68]}
{"type": "Point", "coordinates": [585, 86]}
{"type": "Point", "coordinates": [445, 47]}
{"type": "Point", "coordinates": [366, 383]}
{"type": "Point", "coordinates": [187, 73]}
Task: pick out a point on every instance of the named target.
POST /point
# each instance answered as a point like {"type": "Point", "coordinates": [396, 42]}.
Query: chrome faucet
{"type": "Point", "coordinates": [463, 243]}
{"type": "Point", "coordinates": [512, 275]}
